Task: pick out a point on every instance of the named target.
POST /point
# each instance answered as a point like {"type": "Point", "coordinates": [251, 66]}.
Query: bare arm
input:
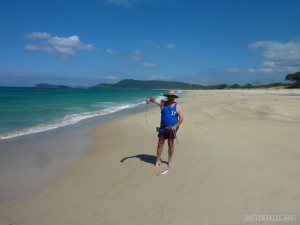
{"type": "Point", "coordinates": [180, 115]}
{"type": "Point", "coordinates": [156, 101]}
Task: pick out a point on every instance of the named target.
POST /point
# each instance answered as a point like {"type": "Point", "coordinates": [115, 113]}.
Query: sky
{"type": "Point", "coordinates": [84, 43]}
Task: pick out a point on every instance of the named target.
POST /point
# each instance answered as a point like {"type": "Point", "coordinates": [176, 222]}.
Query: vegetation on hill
{"type": "Point", "coordinates": [294, 78]}
{"type": "Point", "coordinates": [44, 85]}
{"type": "Point", "coordinates": [155, 84]}
{"type": "Point", "coordinates": [158, 84]}
{"type": "Point", "coordinates": [151, 84]}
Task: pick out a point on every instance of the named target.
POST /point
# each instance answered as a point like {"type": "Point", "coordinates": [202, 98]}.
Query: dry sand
{"type": "Point", "coordinates": [238, 154]}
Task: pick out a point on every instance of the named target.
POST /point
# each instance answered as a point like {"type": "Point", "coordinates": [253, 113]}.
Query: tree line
{"type": "Point", "coordinates": [294, 78]}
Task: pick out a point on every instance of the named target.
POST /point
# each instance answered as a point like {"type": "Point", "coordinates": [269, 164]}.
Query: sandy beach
{"type": "Point", "coordinates": [238, 156]}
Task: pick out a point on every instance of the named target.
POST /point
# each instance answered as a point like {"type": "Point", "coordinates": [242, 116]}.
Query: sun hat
{"type": "Point", "coordinates": [171, 93]}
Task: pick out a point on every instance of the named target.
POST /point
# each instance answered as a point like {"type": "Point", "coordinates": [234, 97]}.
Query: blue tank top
{"type": "Point", "coordinates": [169, 115]}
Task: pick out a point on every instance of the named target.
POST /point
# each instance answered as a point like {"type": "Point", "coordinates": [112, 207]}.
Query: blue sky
{"type": "Point", "coordinates": [94, 41]}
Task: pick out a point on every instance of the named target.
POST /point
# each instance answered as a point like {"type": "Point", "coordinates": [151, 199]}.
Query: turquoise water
{"type": "Point", "coordinates": [25, 111]}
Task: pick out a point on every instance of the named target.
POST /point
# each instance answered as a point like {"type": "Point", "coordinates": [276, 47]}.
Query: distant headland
{"type": "Point", "coordinates": [157, 84]}
{"type": "Point", "coordinates": [293, 79]}
{"type": "Point", "coordinates": [51, 86]}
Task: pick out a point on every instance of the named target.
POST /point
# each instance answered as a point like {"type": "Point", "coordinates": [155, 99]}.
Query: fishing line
{"type": "Point", "coordinates": [146, 114]}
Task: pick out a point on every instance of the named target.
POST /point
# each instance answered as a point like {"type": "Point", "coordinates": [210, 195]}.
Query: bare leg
{"type": "Point", "coordinates": [160, 146]}
{"type": "Point", "coordinates": [170, 152]}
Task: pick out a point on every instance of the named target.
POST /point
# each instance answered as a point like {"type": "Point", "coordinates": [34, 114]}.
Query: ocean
{"type": "Point", "coordinates": [25, 111]}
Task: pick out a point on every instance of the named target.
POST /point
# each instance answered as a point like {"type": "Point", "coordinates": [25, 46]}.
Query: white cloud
{"type": "Point", "coordinates": [64, 47]}
{"type": "Point", "coordinates": [65, 42]}
{"type": "Point", "coordinates": [137, 55]}
{"type": "Point", "coordinates": [32, 48]}
{"type": "Point", "coordinates": [278, 56]}
{"type": "Point", "coordinates": [171, 46]}
{"type": "Point", "coordinates": [269, 64]}
{"type": "Point", "coordinates": [152, 44]}
{"type": "Point", "coordinates": [266, 70]}
{"type": "Point", "coordinates": [251, 70]}
{"type": "Point", "coordinates": [127, 3]}
{"type": "Point", "coordinates": [40, 48]}
{"type": "Point", "coordinates": [37, 35]}
{"type": "Point", "coordinates": [148, 65]}
{"type": "Point", "coordinates": [64, 51]}
{"type": "Point", "coordinates": [120, 2]}
{"type": "Point", "coordinates": [113, 52]}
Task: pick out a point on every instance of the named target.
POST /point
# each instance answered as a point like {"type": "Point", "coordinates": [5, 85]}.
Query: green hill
{"type": "Point", "coordinates": [152, 84]}
{"type": "Point", "coordinates": [158, 84]}
{"type": "Point", "coordinates": [51, 86]}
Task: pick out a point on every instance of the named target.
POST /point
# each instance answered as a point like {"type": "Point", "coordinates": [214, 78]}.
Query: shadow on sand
{"type": "Point", "coordinates": [151, 159]}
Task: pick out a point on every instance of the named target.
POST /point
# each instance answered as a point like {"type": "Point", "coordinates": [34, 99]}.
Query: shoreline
{"type": "Point", "coordinates": [30, 162]}
{"type": "Point", "coordinates": [238, 155]}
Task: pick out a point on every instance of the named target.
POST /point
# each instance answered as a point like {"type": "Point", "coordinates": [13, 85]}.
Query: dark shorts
{"type": "Point", "coordinates": [166, 135]}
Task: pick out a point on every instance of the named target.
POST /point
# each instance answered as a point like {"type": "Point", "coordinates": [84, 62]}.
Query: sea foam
{"type": "Point", "coordinates": [65, 121]}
